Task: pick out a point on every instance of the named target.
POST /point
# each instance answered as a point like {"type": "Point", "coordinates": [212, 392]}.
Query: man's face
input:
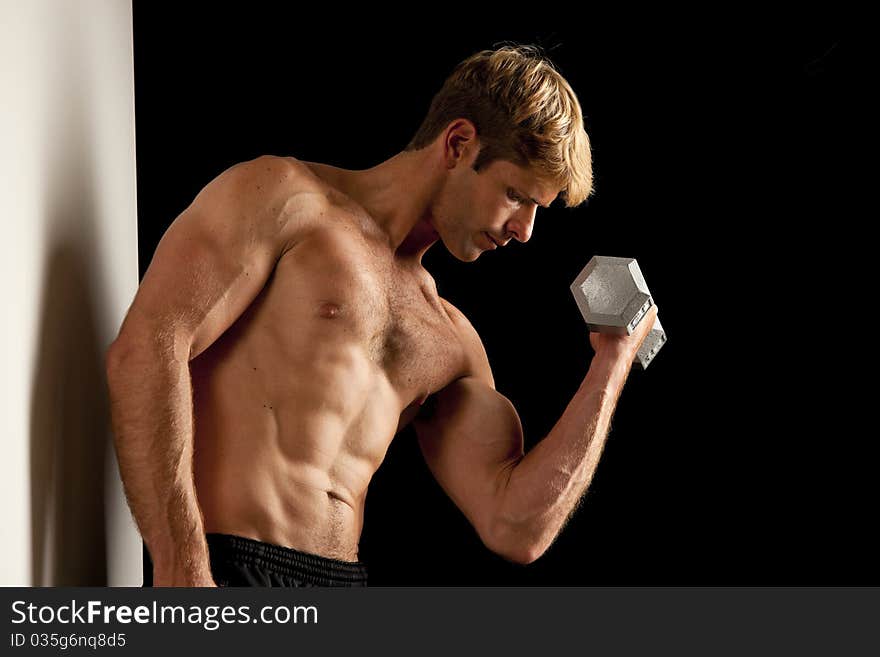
{"type": "Point", "coordinates": [479, 211]}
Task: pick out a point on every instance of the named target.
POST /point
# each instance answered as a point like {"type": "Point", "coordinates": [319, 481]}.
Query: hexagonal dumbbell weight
{"type": "Point", "coordinates": [613, 297]}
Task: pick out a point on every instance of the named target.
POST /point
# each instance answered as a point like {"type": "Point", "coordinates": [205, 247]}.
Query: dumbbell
{"type": "Point", "coordinates": [613, 297]}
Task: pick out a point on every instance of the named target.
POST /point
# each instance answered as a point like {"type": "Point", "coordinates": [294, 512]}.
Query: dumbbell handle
{"type": "Point", "coordinates": [651, 344]}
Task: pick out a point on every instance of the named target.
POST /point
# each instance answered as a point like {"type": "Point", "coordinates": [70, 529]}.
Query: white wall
{"type": "Point", "coordinates": [68, 271]}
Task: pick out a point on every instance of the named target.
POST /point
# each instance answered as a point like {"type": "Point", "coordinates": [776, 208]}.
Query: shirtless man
{"type": "Point", "coordinates": [285, 331]}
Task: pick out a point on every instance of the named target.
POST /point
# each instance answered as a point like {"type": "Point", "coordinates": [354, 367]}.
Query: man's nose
{"type": "Point", "coordinates": [520, 226]}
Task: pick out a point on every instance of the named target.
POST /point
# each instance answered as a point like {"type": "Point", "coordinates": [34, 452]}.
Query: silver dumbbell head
{"type": "Point", "coordinates": [612, 294]}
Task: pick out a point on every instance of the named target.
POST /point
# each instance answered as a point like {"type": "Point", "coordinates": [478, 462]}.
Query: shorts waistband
{"type": "Point", "coordinates": [323, 571]}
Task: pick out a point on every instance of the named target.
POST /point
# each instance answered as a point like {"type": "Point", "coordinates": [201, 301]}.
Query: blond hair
{"type": "Point", "coordinates": [524, 112]}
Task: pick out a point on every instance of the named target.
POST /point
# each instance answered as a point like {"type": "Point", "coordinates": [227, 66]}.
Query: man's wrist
{"type": "Point", "coordinates": [177, 565]}
{"type": "Point", "coordinates": [608, 369]}
{"type": "Point", "coordinates": [180, 574]}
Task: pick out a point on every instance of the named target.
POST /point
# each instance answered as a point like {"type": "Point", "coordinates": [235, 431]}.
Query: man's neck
{"type": "Point", "coordinates": [397, 194]}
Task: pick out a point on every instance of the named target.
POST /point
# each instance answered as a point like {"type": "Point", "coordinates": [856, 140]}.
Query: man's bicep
{"type": "Point", "coordinates": [471, 437]}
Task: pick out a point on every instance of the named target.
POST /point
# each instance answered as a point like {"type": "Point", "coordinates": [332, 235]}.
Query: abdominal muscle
{"type": "Point", "coordinates": [286, 441]}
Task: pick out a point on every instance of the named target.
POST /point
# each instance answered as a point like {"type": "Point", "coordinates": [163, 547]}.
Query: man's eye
{"type": "Point", "coordinates": [513, 196]}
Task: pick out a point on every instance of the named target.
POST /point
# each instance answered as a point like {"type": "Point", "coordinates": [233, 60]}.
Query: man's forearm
{"type": "Point", "coordinates": [151, 409]}
{"type": "Point", "coordinates": [547, 483]}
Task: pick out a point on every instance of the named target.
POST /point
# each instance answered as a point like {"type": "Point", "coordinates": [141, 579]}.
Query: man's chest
{"type": "Point", "coordinates": [345, 292]}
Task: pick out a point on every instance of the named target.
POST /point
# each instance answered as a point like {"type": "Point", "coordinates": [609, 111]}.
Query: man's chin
{"type": "Point", "coordinates": [467, 254]}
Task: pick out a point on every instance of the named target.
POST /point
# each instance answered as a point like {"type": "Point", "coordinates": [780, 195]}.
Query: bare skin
{"type": "Point", "coordinates": [310, 346]}
{"type": "Point", "coordinates": [300, 399]}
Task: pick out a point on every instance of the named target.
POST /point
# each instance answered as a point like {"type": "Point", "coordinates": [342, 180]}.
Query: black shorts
{"type": "Point", "coordinates": [239, 561]}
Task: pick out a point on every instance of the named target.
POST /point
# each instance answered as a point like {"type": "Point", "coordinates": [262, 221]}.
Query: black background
{"type": "Point", "coordinates": [724, 150]}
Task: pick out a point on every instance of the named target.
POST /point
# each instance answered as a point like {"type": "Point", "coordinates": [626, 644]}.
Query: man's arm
{"type": "Point", "coordinates": [472, 440]}
{"type": "Point", "coordinates": [209, 265]}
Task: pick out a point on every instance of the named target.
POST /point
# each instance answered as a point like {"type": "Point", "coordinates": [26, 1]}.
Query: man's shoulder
{"type": "Point", "coordinates": [458, 318]}
{"type": "Point", "coordinates": [285, 173]}
{"type": "Point", "coordinates": [281, 186]}
{"type": "Point", "coordinates": [311, 187]}
{"type": "Point", "coordinates": [265, 182]}
{"type": "Point", "coordinates": [476, 359]}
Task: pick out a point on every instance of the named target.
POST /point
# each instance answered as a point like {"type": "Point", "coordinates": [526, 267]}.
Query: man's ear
{"type": "Point", "coordinates": [461, 143]}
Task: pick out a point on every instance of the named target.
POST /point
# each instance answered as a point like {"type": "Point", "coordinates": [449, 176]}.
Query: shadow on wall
{"type": "Point", "coordinates": [69, 400]}
{"type": "Point", "coordinates": [68, 432]}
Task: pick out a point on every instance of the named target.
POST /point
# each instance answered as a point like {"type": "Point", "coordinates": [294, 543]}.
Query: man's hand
{"type": "Point", "coordinates": [624, 347]}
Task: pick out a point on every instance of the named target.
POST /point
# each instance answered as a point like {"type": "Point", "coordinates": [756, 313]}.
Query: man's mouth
{"type": "Point", "coordinates": [491, 241]}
